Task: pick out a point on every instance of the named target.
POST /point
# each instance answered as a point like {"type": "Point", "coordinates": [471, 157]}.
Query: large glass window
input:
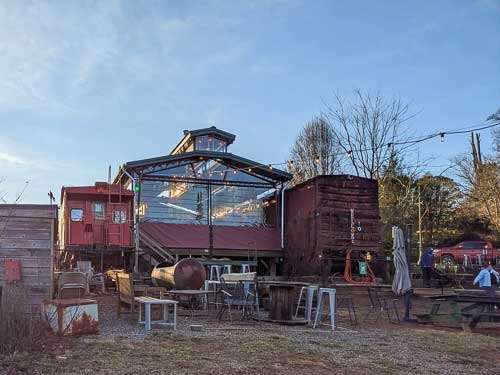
{"type": "Point", "coordinates": [210, 143]}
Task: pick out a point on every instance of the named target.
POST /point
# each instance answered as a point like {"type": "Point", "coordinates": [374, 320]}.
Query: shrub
{"type": "Point", "coordinates": [21, 329]}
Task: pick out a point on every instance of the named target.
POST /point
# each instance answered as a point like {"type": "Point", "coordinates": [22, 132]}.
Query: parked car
{"type": "Point", "coordinates": [455, 254]}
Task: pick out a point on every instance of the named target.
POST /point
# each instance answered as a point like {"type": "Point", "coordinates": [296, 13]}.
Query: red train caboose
{"type": "Point", "coordinates": [96, 218]}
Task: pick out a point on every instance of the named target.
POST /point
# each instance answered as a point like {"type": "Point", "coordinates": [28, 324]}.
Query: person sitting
{"type": "Point", "coordinates": [487, 279]}
{"type": "Point", "coordinates": [427, 263]}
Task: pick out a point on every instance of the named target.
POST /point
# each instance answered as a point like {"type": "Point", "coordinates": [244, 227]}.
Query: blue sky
{"type": "Point", "coordinates": [87, 84]}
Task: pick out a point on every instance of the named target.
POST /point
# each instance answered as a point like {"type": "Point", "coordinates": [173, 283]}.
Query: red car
{"type": "Point", "coordinates": [455, 254]}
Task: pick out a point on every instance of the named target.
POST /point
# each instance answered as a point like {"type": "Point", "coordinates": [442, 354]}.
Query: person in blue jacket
{"type": "Point", "coordinates": [487, 279]}
{"type": "Point", "coordinates": [426, 263]}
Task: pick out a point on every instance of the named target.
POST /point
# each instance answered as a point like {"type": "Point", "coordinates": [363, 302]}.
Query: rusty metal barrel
{"type": "Point", "coordinates": [188, 273]}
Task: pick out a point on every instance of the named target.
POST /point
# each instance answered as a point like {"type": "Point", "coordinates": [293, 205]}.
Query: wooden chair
{"type": "Point", "coordinates": [381, 304]}
{"type": "Point", "coordinates": [128, 291]}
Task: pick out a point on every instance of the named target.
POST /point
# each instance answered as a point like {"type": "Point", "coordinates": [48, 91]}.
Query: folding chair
{"type": "Point", "coordinates": [381, 304]}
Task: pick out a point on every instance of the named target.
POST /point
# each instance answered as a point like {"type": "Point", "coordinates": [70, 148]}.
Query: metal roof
{"type": "Point", "coordinates": [225, 157]}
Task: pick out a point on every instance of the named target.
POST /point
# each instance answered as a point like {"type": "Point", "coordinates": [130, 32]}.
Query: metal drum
{"type": "Point", "coordinates": [188, 273]}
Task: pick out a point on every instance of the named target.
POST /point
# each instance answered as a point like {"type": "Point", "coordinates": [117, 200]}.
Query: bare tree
{"type": "Point", "coordinates": [481, 183]}
{"type": "Point", "coordinates": [368, 131]}
{"type": "Point", "coordinates": [315, 151]}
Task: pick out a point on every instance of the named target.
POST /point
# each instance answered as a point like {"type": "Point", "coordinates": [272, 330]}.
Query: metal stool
{"type": "Point", "coordinates": [323, 292]}
{"type": "Point", "coordinates": [227, 268]}
{"type": "Point", "coordinates": [245, 268]}
{"type": "Point", "coordinates": [345, 302]}
{"type": "Point", "coordinates": [215, 271]}
{"type": "Point", "coordinates": [479, 258]}
{"type": "Point", "coordinates": [308, 293]}
{"type": "Point", "coordinates": [467, 261]}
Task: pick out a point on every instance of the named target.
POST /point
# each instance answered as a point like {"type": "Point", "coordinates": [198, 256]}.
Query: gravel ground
{"type": "Point", "coordinates": [122, 346]}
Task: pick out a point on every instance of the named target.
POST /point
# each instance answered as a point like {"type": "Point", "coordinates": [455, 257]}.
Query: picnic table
{"type": "Point", "coordinates": [466, 310]}
{"type": "Point", "coordinates": [282, 299]}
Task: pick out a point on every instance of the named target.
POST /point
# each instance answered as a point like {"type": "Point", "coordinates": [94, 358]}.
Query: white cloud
{"type": "Point", "coordinates": [13, 159]}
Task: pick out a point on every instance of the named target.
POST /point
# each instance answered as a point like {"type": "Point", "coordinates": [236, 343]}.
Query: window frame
{"type": "Point", "coordinates": [72, 219]}
{"type": "Point", "coordinates": [102, 204]}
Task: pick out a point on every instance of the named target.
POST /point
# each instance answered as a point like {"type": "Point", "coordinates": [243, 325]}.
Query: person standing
{"type": "Point", "coordinates": [488, 278]}
{"type": "Point", "coordinates": [426, 263]}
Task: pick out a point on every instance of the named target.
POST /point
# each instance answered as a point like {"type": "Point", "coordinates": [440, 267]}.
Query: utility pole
{"type": "Point", "coordinates": [419, 225]}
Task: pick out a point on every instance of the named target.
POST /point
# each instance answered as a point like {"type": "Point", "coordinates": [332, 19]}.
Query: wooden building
{"type": "Point", "coordinates": [27, 241]}
{"type": "Point", "coordinates": [327, 216]}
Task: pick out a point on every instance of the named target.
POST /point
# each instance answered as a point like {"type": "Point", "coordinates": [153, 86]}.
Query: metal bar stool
{"type": "Point", "coordinates": [331, 293]}
{"type": "Point", "coordinates": [215, 272]}
{"type": "Point", "coordinates": [307, 292]}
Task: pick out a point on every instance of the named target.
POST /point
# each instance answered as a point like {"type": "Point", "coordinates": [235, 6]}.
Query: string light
{"type": "Point", "coordinates": [349, 154]}
{"type": "Point", "coordinates": [270, 166]}
{"type": "Point", "coordinates": [389, 146]}
{"type": "Point", "coordinates": [442, 137]}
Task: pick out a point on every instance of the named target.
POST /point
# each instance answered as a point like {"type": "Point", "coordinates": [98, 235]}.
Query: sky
{"type": "Point", "coordinates": [89, 84]}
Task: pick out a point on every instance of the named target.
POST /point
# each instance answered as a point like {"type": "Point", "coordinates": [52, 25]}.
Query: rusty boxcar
{"type": "Point", "coordinates": [327, 216]}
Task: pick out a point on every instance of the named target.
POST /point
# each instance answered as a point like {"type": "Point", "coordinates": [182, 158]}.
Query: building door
{"type": "Point", "coordinates": [118, 227]}
{"type": "Point", "coordinates": [76, 223]}
{"type": "Point", "coordinates": [98, 215]}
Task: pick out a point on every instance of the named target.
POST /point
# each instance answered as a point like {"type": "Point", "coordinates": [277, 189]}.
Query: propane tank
{"type": "Point", "coordinates": [188, 273]}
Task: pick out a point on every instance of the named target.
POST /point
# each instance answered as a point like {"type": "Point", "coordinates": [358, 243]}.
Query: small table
{"type": "Point", "coordinates": [147, 302]}
{"type": "Point", "coordinates": [282, 299]}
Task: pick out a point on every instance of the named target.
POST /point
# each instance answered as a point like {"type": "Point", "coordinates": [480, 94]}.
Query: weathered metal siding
{"type": "Point", "coordinates": [27, 234]}
{"type": "Point", "coordinates": [318, 222]}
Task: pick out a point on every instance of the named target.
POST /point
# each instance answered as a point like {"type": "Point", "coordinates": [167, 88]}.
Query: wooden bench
{"type": "Point", "coordinates": [148, 302]}
{"type": "Point", "coordinates": [128, 291]}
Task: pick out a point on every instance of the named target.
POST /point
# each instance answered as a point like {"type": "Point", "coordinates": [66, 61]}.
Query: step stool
{"type": "Point", "coordinates": [331, 293]}
{"type": "Point", "coordinates": [306, 292]}
{"type": "Point", "coordinates": [227, 268]}
{"type": "Point", "coordinates": [245, 268]}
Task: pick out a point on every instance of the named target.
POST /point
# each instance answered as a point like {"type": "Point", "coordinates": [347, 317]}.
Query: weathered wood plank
{"type": "Point", "coordinates": [28, 210]}
{"type": "Point", "coordinates": [9, 243]}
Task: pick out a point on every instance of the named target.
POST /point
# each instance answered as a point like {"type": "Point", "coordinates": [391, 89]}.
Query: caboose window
{"type": "Point", "coordinates": [98, 210]}
{"type": "Point", "coordinates": [76, 214]}
{"type": "Point", "coordinates": [119, 217]}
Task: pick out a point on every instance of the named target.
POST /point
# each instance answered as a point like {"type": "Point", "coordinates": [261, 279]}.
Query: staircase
{"type": "Point", "coordinates": [152, 247]}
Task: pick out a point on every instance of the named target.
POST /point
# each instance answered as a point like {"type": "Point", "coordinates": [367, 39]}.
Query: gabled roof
{"type": "Point", "coordinates": [213, 131]}
{"type": "Point", "coordinates": [234, 161]}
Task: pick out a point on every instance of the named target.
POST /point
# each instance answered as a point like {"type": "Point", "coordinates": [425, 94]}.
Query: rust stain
{"type": "Point", "coordinates": [85, 325]}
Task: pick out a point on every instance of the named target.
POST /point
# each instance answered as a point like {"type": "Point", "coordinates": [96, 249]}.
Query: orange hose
{"type": "Point", "coordinates": [366, 280]}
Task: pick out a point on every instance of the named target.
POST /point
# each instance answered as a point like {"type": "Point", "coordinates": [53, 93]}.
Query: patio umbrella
{"type": "Point", "coordinates": [401, 283]}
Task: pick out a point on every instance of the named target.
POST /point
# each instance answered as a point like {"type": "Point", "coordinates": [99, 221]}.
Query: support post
{"type": "Point", "coordinates": [210, 225]}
